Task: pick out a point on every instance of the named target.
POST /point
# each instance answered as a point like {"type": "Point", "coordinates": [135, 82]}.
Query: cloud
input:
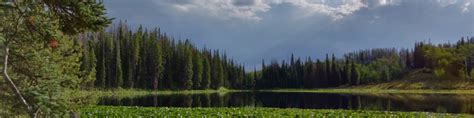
{"type": "Point", "coordinates": [223, 9]}
{"type": "Point", "coordinates": [384, 2]}
{"type": "Point", "coordinates": [445, 3]}
{"type": "Point", "coordinates": [244, 2]}
{"type": "Point", "coordinates": [337, 11]}
{"type": "Point", "coordinates": [250, 10]}
{"type": "Point", "coordinates": [388, 2]}
{"type": "Point", "coordinates": [465, 7]}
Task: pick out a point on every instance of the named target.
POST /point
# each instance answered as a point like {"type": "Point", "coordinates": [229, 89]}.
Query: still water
{"type": "Point", "coordinates": [442, 103]}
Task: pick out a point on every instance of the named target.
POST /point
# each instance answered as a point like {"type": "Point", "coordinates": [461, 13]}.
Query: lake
{"type": "Point", "coordinates": [441, 103]}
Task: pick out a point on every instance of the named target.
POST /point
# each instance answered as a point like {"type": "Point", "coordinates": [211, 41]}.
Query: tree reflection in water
{"type": "Point", "coordinates": [444, 103]}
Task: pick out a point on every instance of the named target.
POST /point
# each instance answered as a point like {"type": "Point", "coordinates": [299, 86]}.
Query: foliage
{"type": "Point", "coordinates": [88, 65]}
{"type": "Point", "coordinates": [44, 56]}
{"type": "Point", "coordinates": [450, 61]}
{"type": "Point", "coordinates": [380, 70]}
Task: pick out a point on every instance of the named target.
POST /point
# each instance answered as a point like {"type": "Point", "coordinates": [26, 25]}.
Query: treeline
{"type": "Point", "coordinates": [149, 59]}
{"type": "Point", "coordinates": [445, 61]}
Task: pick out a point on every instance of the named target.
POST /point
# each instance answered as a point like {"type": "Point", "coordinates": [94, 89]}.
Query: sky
{"type": "Point", "coordinates": [252, 30]}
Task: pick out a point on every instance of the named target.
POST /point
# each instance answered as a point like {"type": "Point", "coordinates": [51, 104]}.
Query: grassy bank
{"type": "Point", "coordinates": [423, 79]}
{"type": "Point", "coordinates": [113, 111]}
{"type": "Point", "coordinates": [140, 92]}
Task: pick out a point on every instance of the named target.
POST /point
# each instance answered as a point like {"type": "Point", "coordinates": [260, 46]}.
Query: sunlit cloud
{"type": "Point", "coordinates": [465, 7]}
{"type": "Point", "coordinates": [224, 9]}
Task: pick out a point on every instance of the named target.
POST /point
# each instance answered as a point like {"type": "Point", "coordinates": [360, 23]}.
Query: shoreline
{"type": "Point", "coordinates": [139, 92]}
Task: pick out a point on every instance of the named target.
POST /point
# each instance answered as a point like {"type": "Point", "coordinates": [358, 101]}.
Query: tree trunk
{"type": "Point", "coordinates": [15, 89]}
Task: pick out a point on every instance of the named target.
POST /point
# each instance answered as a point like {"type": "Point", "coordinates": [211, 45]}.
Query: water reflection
{"type": "Point", "coordinates": [445, 103]}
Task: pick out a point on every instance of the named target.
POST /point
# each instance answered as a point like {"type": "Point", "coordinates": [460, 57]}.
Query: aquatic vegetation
{"type": "Point", "coordinates": [120, 111]}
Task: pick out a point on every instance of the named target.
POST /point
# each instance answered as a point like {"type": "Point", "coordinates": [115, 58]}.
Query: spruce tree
{"type": "Point", "coordinates": [197, 70]}
{"type": "Point", "coordinates": [157, 61]}
{"type": "Point", "coordinates": [118, 66]}
{"type": "Point", "coordinates": [134, 58]}
{"type": "Point", "coordinates": [407, 59]}
{"type": "Point", "coordinates": [320, 74]}
{"type": "Point", "coordinates": [101, 68]}
{"type": "Point", "coordinates": [125, 46]}
{"type": "Point", "coordinates": [186, 66]}
{"type": "Point", "coordinates": [206, 73]}
{"type": "Point", "coordinates": [217, 71]}
{"type": "Point", "coordinates": [327, 74]}
{"type": "Point", "coordinates": [109, 62]}
{"type": "Point", "coordinates": [335, 77]}
{"type": "Point", "coordinates": [347, 70]}
{"type": "Point", "coordinates": [354, 75]}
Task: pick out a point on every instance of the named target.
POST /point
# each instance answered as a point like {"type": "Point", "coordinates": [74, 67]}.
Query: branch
{"type": "Point", "coordinates": [12, 85]}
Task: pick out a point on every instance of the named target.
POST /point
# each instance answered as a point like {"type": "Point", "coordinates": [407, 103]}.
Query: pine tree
{"type": "Point", "coordinates": [319, 74]}
{"type": "Point", "coordinates": [197, 70]}
{"type": "Point", "coordinates": [217, 71]}
{"type": "Point", "coordinates": [220, 75]}
{"type": "Point", "coordinates": [335, 77]}
{"type": "Point", "coordinates": [418, 56]}
{"type": "Point", "coordinates": [121, 39]}
{"type": "Point", "coordinates": [125, 46]}
{"type": "Point", "coordinates": [101, 61]}
{"type": "Point", "coordinates": [109, 62]}
{"type": "Point", "coordinates": [347, 70]}
{"type": "Point", "coordinates": [134, 58]}
{"type": "Point", "coordinates": [186, 66]}
{"type": "Point", "coordinates": [142, 70]}
{"type": "Point", "coordinates": [327, 74]}
{"type": "Point", "coordinates": [206, 74]}
{"type": "Point", "coordinates": [407, 59]}
{"type": "Point", "coordinates": [118, 66]}
{"type": "Point", "coordinates": [93, 61]}
{"type": "Point", "coordinates": [157, 61]}
{"type": "Point", "coordinates": [252, 81]}
{"type": "Point", "coordinates": [354, 75]}
{"type": "Point", "coordinates": [308, 78]}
